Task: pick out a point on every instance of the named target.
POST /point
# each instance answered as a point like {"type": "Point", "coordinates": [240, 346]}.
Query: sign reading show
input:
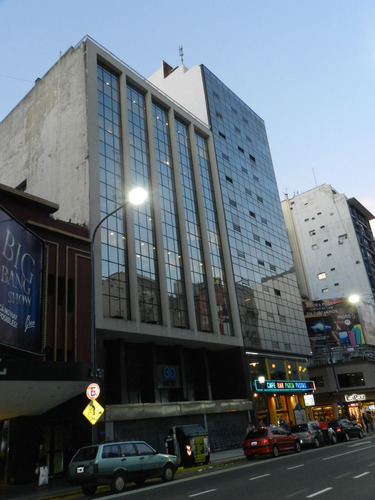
{"type": "Point", "coordinates": [21, 282]}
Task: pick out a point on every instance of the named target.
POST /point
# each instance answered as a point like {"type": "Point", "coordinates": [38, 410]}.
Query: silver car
{"type": "Point", "coordinates": [310, 434]}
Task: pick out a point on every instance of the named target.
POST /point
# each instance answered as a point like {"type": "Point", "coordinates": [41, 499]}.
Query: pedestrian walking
{"type": "Point", "coordinates": [42, 467]}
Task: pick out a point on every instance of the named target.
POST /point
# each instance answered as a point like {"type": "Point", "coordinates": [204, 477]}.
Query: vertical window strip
{"type": "Point", "coordinates": [145, 246]}
{"type": "Point", "coordinates": [222, 300]}
{"type": "Point", "coordinates": [113, 242]}
{"type": "Point", "coordinates": [193, 230]}
{"type": "Point", "coordinates": [170, 224]}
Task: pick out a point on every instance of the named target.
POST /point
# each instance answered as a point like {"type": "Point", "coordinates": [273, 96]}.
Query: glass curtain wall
{"type": "Point", "coordinates": [222, 302]}
{"type": "Point", "coordinates": [147, 269]}
{"type": "Point", "coordinates": [170, 225]}
{"type": "Point", "coordinates": [113, 242]}
{"type": "Point", "coordinates": [193, 230]}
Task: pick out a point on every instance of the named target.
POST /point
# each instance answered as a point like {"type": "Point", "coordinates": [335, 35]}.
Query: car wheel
{"type": "Point", "coordinates": [118, 483]}
{"type": "Point", "coordinates": [360, 435]}
{"type": "Point", "coordinates": [346, 437]}
{"type": "Point", "coordinates": [88, 490]}
{"type": "Point", "coordinates": [334, 439]}
{"type": "Point", "coordinates": [316, 443]}
{"type": "Point", "coordinates": [249, 457]}
{"type": "Point", "coordinates": [275, 451]}
{"type": "Point", "coordinates": [297, 449]}
{"type": "Point", "coordinates": [168, 473]}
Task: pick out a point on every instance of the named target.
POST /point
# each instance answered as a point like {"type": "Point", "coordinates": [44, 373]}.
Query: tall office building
{"type": "Point", "coordinates": [184, 281]}
{"type": "Point", "coordinates": [334, 254]}
{"type": "Point", "coordinates": [272, 320]}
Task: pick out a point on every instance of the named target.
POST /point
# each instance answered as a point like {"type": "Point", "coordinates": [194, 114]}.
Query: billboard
{"type": "Point", "coordinates": [21, 285]}
{"type": "Point", "coordinates": [331, 323]}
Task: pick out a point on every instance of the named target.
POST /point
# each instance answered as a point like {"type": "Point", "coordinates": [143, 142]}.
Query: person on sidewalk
{"type": "Point", "coordinates": [42, 468]}
{"type": "Point", "coordinates": [323, 424]}
{"type": "Point", "coordinates": [285, 425]}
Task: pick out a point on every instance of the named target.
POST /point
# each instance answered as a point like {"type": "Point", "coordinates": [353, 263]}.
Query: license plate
{"type": "Point", "coordinates": [80, 470]}
{"type": "Point", "coordinates": [254, 443]}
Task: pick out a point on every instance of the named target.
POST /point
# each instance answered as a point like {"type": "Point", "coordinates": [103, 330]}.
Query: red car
{"type": "Point", "coordinates": [270, 441]}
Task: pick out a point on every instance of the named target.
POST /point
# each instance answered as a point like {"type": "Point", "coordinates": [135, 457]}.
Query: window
{"type": "Point", "coordinates": [237, 130]}
{"type": "Point", "coordinates": [322, 276]}
{"type": "Point", "coordinates": [252, 158]}
{"type": "Point", "coordinates": [233, 203]}
{"type": "Point", "coordinates": [219, 116]}
{"type": "Point", "coordinates": [261, 262]}
{"type": "Point", "coordinates": [312, 232]}
{"type": "Point", "coordinates": [256, 237]}
{"type": "Point", "coordinates": [226, 157]}
{"type": "Point", "coordinates": [319, 382]}
{"type": "Point", "coordinates": [237, 228]}
{"type": "Point", "coordinates": [241, 149]}
{"type": "Point", "coordinates": [277, 292]}
{"type": "Point", "coordinates": [268, 243]}
{"type": "Point", "coordinates": [222, 135]}
{"type": "Point", "coordinates": [252, 214]}
{"type": "Point", "coordinates": [256, 178]}
{"type": "Point", "coordinates": [314, 247]}
{"type": "Point", "coordinates": [351, 379]}
{"type": "Point", "coordinates": [264, 221]}
{"type": "Point", "coordinates": [306, 220]}
{"type": "Point", "coordinates": [324, 290]}
{"type": "Point", "coordinates": [244, 170]}
{"type": "Point", "coordinates": [272, 267]}
{"type": "Point", "coordinates": [247, 191]}
{"type": "Point", "coordinates": [259, 198]}
{"type": "Point", "coordinates": [229, 179]}
{"type": "Point", "coordinates": [241, 255]}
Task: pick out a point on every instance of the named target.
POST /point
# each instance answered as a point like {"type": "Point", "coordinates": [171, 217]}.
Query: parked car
{"type": "Point", "coordinates": [270, 440]}
{"type": "Point", "coordinates": [346, 429]}
{"type": "Point", "coordinates": [117, 463]}
{"type": "Point", "coordinates": [310, 434]}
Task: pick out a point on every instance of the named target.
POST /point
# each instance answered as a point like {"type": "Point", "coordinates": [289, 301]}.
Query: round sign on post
{"type": "Point", "coordinates": [93, 391]}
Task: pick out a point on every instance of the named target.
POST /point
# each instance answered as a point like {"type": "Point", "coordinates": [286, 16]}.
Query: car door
{"type": "Point", "coordinates": [130, 460]}
{"type": "Point", "coordinates": [151, 462]}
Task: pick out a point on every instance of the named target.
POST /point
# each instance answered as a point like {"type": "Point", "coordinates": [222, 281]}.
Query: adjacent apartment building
{"type": "Point", "coordinates": [195, 291]}
{"type": "Point", "coordinates": [334, 256]}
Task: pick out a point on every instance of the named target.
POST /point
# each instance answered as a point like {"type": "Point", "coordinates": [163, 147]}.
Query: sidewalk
{"type": "Point", "coordinates": [60, 489]}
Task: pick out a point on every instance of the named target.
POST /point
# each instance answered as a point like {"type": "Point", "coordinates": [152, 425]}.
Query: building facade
{"type": "Point", "coordinates": [272, 321]}
{"type": "Point", "coordinates": [45, 357]}
{"type": "Point", "coordinates": [334, 254]}
{"type": "Point", "coordinates": [195, 292]}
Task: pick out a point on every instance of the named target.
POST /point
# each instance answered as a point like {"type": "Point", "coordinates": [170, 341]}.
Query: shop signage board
{"type": "Point", "coordinates": [285, 386]}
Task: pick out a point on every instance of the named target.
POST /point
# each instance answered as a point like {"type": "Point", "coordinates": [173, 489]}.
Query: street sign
{"type": "Point", "coordinates": [93, 391]}
{"type": "Point", "coordinates": [93, 412]}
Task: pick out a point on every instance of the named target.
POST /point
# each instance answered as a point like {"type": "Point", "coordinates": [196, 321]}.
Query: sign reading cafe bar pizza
{"type": "Point", "coordinates": [21, 282]}
{"type": "Point", "coordinates": [285, 386]}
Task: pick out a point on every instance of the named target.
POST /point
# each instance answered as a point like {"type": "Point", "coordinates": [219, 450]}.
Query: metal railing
{"type": "Point", "coordinates": [342, 354]}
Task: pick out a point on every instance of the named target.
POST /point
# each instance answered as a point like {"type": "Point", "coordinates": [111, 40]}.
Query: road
{"type": "Point", "coordinates": [342, 471]}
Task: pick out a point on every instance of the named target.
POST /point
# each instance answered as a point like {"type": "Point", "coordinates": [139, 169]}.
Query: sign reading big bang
{"type": "Point", "coordinates": [21, 282]}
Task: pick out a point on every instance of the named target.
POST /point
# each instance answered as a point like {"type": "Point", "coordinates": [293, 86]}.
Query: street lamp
{"type": "Point", "coordinates": [262, 381]}
{"type": "Point", "coordinates": [136, 196]}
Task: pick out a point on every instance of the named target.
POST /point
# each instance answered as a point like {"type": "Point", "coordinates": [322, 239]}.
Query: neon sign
{"type": "Point", "coordinates": [284, 386]}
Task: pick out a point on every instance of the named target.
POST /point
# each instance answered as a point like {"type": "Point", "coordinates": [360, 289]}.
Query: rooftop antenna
{"type": "Point", "coordinates": [181, 52]}
{"type": "Point", "coordinates": [316, 184]}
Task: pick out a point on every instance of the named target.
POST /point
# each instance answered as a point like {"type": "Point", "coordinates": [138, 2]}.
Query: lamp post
{"type": "Point", "coordinates": [136, 196]}
{"type": "Point", "coordinates": [262, 381]}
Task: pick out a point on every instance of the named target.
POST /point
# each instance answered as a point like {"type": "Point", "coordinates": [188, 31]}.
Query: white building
{"type": "Point", "coordinates": [333, 251]}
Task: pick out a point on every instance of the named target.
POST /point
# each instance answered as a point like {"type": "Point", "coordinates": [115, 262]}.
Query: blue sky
{"type": "Point", "coordinates": [307, 67]}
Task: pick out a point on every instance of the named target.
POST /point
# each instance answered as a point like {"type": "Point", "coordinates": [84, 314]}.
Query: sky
{"type": "Point", "coordinates": [306, 67]}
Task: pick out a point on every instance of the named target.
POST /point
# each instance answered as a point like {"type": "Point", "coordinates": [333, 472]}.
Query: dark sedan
{"type": "Point", "coordinates": [270, 441]}
{"type": "Point", "coordinates": [346, 429]}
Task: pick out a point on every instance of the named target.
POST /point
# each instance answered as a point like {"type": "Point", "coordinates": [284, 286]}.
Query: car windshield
{"type": "Point", "coordinates": [300, 428]}
{"type": "Point", "coordinates": [88, 453]}
{"type": "Point", "coordinates": [256, 433]}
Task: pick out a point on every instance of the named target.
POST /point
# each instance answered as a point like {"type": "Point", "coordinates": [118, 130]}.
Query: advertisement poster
{"type": "Point", "coordinates": [332, 323]}
{"type": "Point", "coordinates": [21, 283]}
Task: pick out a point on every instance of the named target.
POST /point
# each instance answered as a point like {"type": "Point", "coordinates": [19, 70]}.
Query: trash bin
{"type": "Point", "coordinates": [189, 443]}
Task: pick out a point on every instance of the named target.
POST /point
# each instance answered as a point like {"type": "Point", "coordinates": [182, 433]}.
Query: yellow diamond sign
{"type": "Point", "coordinates": [93, 411]}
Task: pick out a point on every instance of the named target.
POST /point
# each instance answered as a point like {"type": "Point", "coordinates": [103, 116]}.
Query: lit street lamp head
{"type": "Point", "coordinates": [137, 195]}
